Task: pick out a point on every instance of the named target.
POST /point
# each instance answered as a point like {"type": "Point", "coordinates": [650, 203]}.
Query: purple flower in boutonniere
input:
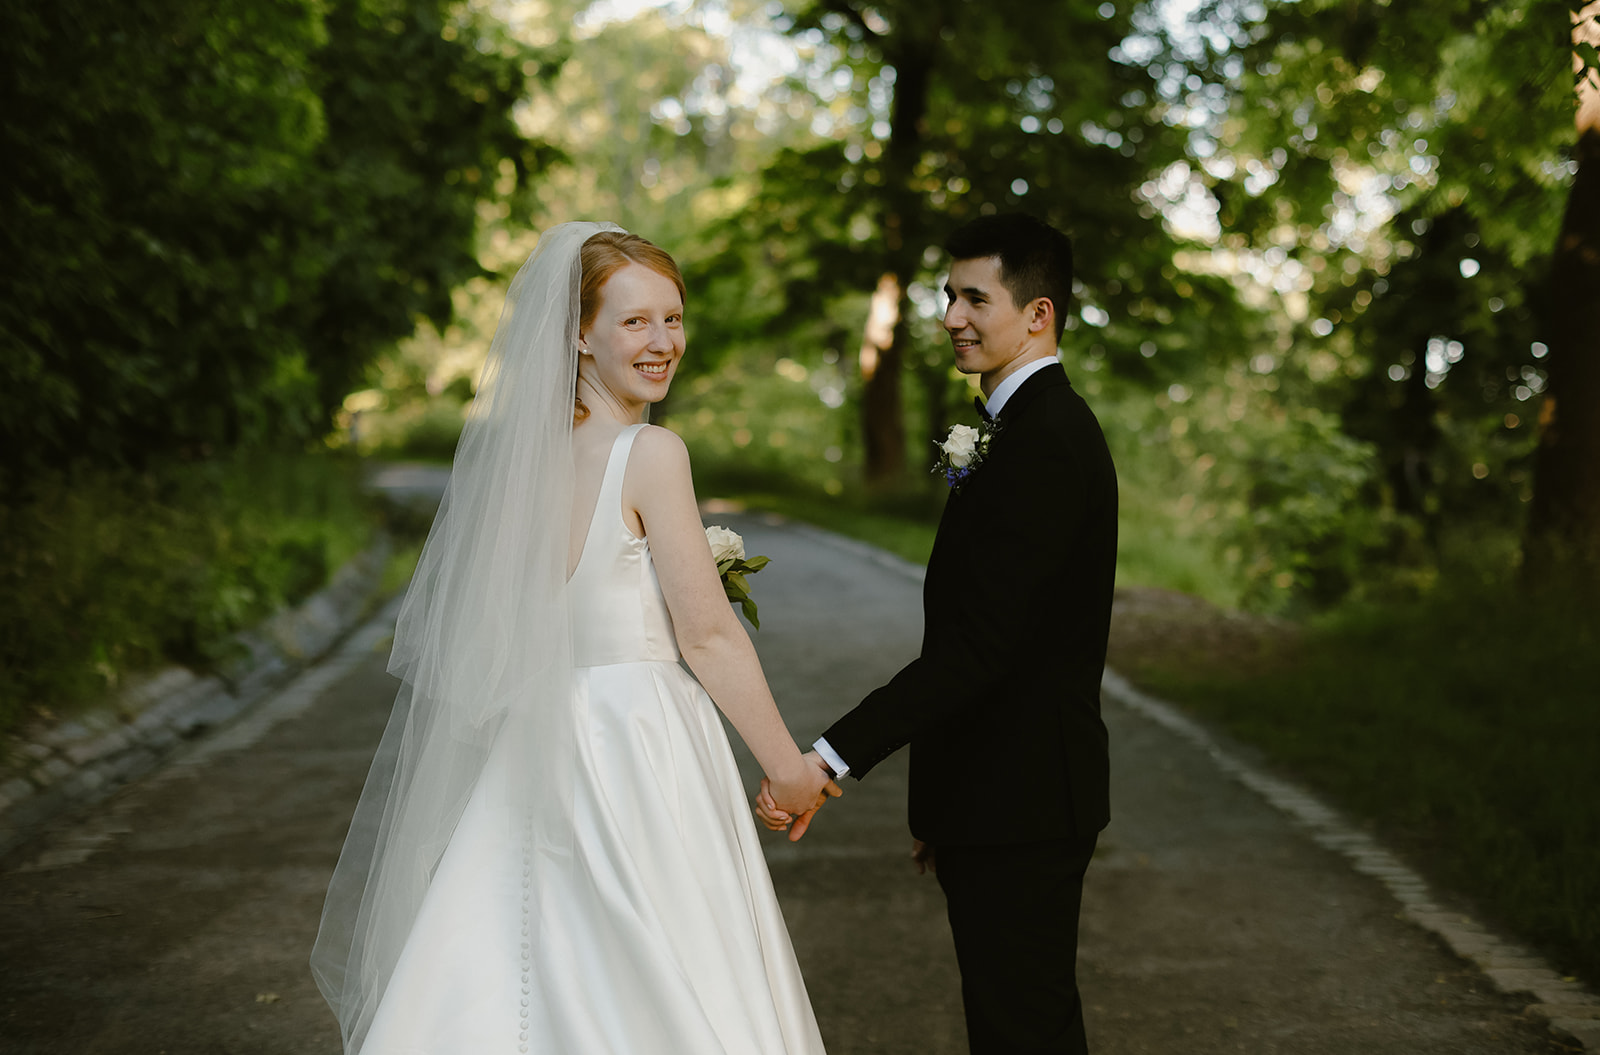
{"type": "Point", "coordinates": [963, 451]}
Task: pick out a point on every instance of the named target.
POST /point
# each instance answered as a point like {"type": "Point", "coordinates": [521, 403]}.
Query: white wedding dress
{"type": "Point", "coordinates": [662, 936]}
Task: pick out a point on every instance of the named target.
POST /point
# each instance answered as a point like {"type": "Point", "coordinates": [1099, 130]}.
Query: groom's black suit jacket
{"type": "Point", "coordinates": [1002, 707]}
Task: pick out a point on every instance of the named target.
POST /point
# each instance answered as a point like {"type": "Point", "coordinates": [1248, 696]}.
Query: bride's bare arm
{"type": "Point", "coordinates": [659, 486]}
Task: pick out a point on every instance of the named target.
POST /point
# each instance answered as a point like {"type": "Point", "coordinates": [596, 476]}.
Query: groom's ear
{"type": "Point", "coordinates": [1041, 315]}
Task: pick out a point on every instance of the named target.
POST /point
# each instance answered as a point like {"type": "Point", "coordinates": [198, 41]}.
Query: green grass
{"type": "Point", "coordinates": [1154, 550]}
{"type": "Point", "coordinates": [902, 523]}
{"type": "Point", "coordinates": [401, 565]}
{"type": "Point", "coordinates": [1149, 551]}
{"type": "Point", "coordinates": [1465, 726]}
{"type": "Point", "coordinates": [108, 573]}
{"type": "Point", "coordinates": [905, 537]}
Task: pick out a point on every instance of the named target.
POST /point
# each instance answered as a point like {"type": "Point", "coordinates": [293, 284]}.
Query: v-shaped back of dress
{"type": "Point", "coordinates": [618, 612]}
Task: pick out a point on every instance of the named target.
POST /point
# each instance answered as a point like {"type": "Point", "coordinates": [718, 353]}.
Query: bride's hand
{"type": "Point", "coordinates": [803, 786]}
{"type": "Point", "coordinates": [779, 820]}
{"type": "Point", "coordinates": [775, 819]}
{"type": "Point", "coordinates": [795, 796]}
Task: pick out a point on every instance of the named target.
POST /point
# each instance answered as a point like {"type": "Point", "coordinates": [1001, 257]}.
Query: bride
{"type": "Point", "coordinates": [553, 853]}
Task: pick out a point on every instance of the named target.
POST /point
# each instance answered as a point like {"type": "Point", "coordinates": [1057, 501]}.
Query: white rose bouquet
{"type": "Point", "coordinates": [727, 550]}
{"type": "Point", "coordinates": [962, 452]}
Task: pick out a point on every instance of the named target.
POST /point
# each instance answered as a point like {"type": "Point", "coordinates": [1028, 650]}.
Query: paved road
{"type": "Point", "coordinates": [176, 917]}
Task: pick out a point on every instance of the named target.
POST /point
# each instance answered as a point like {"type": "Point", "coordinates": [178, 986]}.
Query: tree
{"type": "Point", "coordinates": [940, 111]}
{"type": "Point", "coordinates": [655, 133]}
{"type": "Point", "coordinates": [215, 212]}
{"type": "Point", "coordinates": [149, 144]}
{"type": "Point", "coordinates": [1412, 161]}
{"type": "Point", "coordinates": [1565, 519]}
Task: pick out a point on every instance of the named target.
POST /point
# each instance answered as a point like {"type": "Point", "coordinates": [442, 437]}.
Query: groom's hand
{"type": "Point", "coordinates": [829, 790]}
{"type": "Point", "coordinates": [778, 819]}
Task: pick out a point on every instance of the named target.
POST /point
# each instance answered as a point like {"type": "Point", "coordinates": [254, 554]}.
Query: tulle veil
{"type": "Point", "coordinates": [482, 646]}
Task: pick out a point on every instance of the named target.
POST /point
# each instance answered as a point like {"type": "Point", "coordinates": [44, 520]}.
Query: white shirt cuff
{"type": "Point", "coordinates": [831, 757]}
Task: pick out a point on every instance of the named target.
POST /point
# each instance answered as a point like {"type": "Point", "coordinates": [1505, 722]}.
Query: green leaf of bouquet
{"type": "Point", "coordinates": [755, 564]}
{"type": "Point", "coordinates": [749, 607]}
{"type": "Point", "coordinates": [738, 582]}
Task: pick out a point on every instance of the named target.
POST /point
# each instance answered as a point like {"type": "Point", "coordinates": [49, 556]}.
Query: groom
{"type": "Point", "coordinates": [1009, 765]}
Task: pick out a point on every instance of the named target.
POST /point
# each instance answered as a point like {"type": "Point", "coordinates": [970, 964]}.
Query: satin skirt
{"type": "Point", "coordinates": [659, 934]}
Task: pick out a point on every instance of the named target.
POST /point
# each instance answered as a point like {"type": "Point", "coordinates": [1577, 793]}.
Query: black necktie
{"type": "Point", "coordinates": [983, 410]}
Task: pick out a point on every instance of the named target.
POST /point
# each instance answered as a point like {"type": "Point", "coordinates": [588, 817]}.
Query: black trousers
{"type": "Point", "coordinates": [1014, 913]}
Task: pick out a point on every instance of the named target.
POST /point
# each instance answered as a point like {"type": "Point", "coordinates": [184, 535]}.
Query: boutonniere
{"type": "Point", "coordinates": [727, 550]}
{"type": "Point", "coordinates": [963, 451]}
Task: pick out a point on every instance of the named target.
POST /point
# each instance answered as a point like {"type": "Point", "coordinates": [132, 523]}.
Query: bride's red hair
{"type": "Point", "coordinates": [605, 254]}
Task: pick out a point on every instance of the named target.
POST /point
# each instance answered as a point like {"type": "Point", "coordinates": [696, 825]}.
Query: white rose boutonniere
{"type": "Point", "coordinates": [961, 446]}
{"type": "Point", "coordinates": [727, 550]}
{"type": "Point", "coordinates": [963, 451]}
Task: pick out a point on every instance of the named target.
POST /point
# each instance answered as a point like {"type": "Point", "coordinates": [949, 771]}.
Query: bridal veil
{"type": "Point", "coordinates": [482, 647]}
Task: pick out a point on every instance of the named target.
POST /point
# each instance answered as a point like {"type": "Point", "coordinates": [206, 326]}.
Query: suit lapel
{"type": "Point", "coordinates": [963, 515]}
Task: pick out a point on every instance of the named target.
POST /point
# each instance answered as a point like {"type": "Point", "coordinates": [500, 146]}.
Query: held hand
{"type": "Point", "coordinates": [829, 790]}
{"type": "Point", "coordinates": [775, 819]}
{"type": "Point", "coordinates": [778, 820]}
{"type": "Point", "coordinates": [922, 856]}
{"type": "Point", "coordinates": [797, 799]}
{"type": "Point", "coordinates": [803, 786]}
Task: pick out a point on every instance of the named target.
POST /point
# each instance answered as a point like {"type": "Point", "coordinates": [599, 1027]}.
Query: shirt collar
{"type": "Point", "coordinates": [1005, 389]}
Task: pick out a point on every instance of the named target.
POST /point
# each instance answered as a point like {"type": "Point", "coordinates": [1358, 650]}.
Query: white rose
{"type": "Point", "coordinates": [725, 544]}
{"type": "Point", "coordinates": [961, 446]}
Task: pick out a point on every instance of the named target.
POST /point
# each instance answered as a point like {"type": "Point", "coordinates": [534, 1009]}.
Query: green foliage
{"type": "Point", "coordinates": [425, 430]}
{"type": "Point", "coordinates": [1398, 170]}
{"type": "Point", "coordinates": [1458, 103]}
{"type": "Point", "coordinates": [735, 573]}
{"type": "Point", "coordinates": [215, 213]}
{"type": "Point", "coordinates": [903, 529]}
{"type": "Point", "coordinates": [770, 415]}
{"type": "Point", "coordinates": [960, 110]}
{"type": "Point", "coordinates": [656, 135]}
{"type": "Point", "coordinates": [1237, 496]}
{"type": "Point", "coordinates": [1301, 405]}
{"type": "Point", "coordinates": [107, 572]}
{"type": "Point", "coordinates": [1463, 724]}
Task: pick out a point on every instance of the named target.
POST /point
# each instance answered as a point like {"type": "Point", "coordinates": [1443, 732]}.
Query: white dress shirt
{"type": "Point", "coordinates": [997, 399]}
{"type": "Point", "coordinates": [1004, 390]}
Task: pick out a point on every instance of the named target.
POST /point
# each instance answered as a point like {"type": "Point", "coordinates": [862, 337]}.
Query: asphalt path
{"type": "Point", "coordinates": [176, 917]}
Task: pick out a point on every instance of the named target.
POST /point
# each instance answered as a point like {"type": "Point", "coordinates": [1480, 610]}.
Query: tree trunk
{"type": "Point", "coordinates": [935, 381]}
{"type": "Point", "coordinates": [882, 407]}
{"type": "Point", "coordinates": [883, 431]}
{"type": "Point", "coordinates": [1563, 534]}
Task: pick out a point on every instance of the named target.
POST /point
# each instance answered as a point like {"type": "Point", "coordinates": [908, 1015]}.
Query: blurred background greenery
{"type": "Point", "coordinates": [1338, 267]}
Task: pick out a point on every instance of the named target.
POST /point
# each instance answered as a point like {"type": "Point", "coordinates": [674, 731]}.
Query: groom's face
{"type": "Point", "coordinates": [986, 329]}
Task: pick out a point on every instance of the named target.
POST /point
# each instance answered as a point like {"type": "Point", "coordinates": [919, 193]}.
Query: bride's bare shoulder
{"type": "Point", "coordinates": [660, 448]}
{"type": "Point", "coordinates": [658, 468]}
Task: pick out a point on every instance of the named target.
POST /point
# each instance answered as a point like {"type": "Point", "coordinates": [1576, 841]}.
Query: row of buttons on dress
{"type": "Point", "coordinates": [527, 916]}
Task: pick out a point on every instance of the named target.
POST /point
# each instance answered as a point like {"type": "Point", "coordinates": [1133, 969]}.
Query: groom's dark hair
{"type": "Point", "coordinates": [1035, 258]}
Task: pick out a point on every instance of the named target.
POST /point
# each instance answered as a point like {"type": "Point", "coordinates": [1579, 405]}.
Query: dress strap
{"type": "Point", "coordinates": [616, 469]}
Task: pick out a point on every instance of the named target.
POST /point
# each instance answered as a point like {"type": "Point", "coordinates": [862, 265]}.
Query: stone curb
{"type": "Point", "coordinates": [1571, 1010]}
{"type": "Point", "coordinates": [50, 769]}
